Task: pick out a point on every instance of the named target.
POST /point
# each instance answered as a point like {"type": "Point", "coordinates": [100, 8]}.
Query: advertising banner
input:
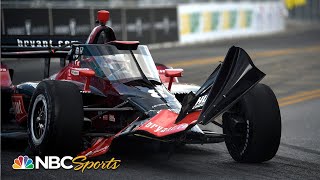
{"type": "Point", "coordinates": [211, 21]}
{"type": "Point", "coordinates": [139, 25]}
{"type": "Point", "coordinates": [165, 25]}
{"type": "Point", "coordinates": [36, 27]}
{"type": "Point", "coordinates": [16, 43]}
{"type": "Point", "coordinates": [149, 26]}
{"type": "Point", "coordinates": [25, 21]}
{"type": "Point", "coordinates": [186, 23]}
{"type": "Point", "coordinates": [71, 22]}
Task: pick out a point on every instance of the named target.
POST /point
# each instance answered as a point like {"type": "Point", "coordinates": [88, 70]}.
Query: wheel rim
{"type": "Point", "coordinates": [39, 119]}
{"type": "Point", "coordinates": [238, 134]}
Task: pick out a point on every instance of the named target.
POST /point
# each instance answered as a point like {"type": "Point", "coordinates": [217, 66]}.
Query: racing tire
{"type": "Point", "coordinates": [253, 126]}
{"type": "Point", "coordinates": [55, 119]}
{"type": "Point", "coordinates": [5, 107]}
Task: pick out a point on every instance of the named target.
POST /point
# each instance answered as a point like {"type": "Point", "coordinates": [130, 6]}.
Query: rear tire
{"type": "Point", "coordinates": [253, 126]}
{"type": "Point", "coordinates": [6, 104]}
{"type": "Point", "coordinates": [55, 119]}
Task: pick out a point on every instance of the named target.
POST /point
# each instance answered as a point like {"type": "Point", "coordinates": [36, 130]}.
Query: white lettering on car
{"type": "Point", "coordinates": [158, 128]}
{"type": "Point", "coordinates": [17, 107]}
{"type": "Point", "coordinates": [41, 43]}
{"type": "Point", "coordinates": [200, 101]}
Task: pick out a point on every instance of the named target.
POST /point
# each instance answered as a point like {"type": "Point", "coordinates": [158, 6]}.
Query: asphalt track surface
{"type": "Point", "coordinates": [291, 62]}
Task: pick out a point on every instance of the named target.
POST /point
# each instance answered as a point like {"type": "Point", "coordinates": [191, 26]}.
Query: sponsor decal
{"type": "Point", "coordinates": [79, 163]}
{"type": "Point", "coordinates": [109, 117]}
{"type": "Point", "coordinates": [41, 43]}
{"type": "Point", "coordinates": [74, 72]}
{"type": "Point", "coordinates": [112, 118]}
{"type": "Point", "coordinates": [18, 107]}
{"type": "Point", "coordinates": [200, 101]}
{"type": "Point", "coordinates": [158, 128]}
{"type": "Point", "coordinates": [85, 91]}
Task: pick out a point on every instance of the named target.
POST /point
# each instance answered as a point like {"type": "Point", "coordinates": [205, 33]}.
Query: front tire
{"type": "Point", "coordinates": [253, 126]}
{"type": "Point", "coordinates": [55, 119]}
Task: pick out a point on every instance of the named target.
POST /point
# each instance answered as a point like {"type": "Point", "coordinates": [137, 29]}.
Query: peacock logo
{"type": "Point", "coordinates": [23, 162]}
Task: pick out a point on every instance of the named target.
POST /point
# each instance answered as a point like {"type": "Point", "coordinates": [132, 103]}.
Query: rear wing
{"type": "Point", "coordinates": [50, 53]}
{"type": "Point", "coordinates": [36, 42]}
{"type": "Point", "coordinates": [45, 47]}
{"type": "Point", "coordinates": [37, 46]}
{"type": "Point", "coordinates": [46, 54]}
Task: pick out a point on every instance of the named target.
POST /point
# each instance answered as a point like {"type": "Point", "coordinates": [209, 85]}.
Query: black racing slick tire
{"type": "Point", "coordinates": [55, 119]}
{"type": "Point", "coordinates": [253, 126]}
{"type": "Point", "coordinates": [5, 106]}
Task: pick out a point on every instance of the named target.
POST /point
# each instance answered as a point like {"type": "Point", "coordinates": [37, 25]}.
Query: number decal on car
{"type": "Point", "coordinates": [200, 101]}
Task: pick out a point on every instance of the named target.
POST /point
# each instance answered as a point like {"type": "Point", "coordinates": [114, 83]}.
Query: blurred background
{"type": "Point", "coordinates": [153, 22]}
{"type": "Point", "coordinates": [281, 36]}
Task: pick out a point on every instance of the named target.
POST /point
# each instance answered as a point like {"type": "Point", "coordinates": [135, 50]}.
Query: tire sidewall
{"type": "Point", "coordinates": [63, 131]}
{"type": "Point", "coordinates": [263, 126]}
{"type": "Point", "coordinates": [43, 146]}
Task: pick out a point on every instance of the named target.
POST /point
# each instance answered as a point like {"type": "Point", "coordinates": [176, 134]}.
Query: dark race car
{"type": "Point", "coordinates": [112, 90]}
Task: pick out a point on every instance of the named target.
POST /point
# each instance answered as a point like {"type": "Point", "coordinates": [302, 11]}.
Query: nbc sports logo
{"type": "Point", "coordinates": [22, 162]}
{"type": "Point", "coordinates": [79, 163]}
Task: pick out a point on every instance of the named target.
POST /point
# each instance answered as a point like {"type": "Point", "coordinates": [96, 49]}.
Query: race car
{"type": "Point", "coordinates": [111, 90]}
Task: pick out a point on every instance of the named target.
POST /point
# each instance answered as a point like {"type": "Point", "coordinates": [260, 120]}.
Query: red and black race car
{"type": "Point", "coordinates": [112, 90]}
